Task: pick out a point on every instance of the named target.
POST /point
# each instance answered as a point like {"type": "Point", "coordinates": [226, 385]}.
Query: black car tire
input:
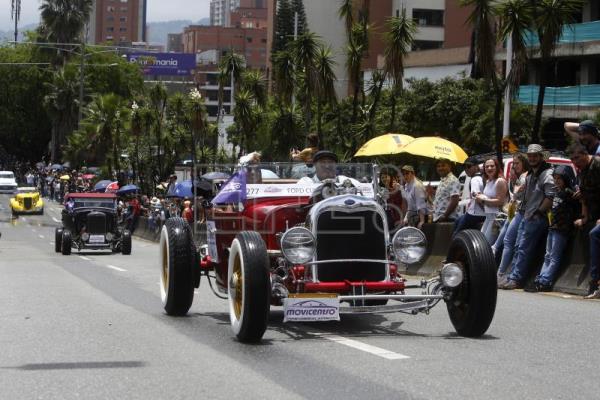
{"type": "Point", "coordinates": [176, 265]}
{"type": "Point", "coordinates": [58, 239]}
{"type": "Point", "coordinates": [66, 242]}
{"type": "Point", "coordinates": [249, 286]}
{"type": "Point", "coordinates": [126, 243]}
{"type": "Point", "coordinates": [473, 303]}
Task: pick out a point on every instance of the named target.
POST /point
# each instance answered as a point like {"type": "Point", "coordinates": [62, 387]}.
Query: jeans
{"type": "Point", "coordinates": [499, 243]}
{"type": "Point", "coordinates": [595, 253]}
{"type": "Point", "coordinates": [510, 242]}
{"type": "Point", "coordinates": [467, 221]}
{"type": "Point", "coordinates": [555, 248]}
{"type": "Point", "coordinates": [532, 231]}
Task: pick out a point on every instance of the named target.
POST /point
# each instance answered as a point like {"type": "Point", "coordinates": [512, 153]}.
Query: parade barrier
{"type": "Point", "coordinates": [573, 277]}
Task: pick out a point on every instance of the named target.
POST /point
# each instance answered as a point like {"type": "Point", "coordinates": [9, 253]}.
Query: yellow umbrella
{"type": "Point", "coordinates": [65, 177]}
{"type": "Point", "coordinates": [387, 144]}
{"type": "Point", "coordinates": [435, 147]}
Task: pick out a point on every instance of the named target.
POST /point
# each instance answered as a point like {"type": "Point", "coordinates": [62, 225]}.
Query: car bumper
{"type": "Point", "coordinates": [8, 190]}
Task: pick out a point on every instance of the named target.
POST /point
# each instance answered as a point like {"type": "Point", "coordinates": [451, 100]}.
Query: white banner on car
{"type": "Point", "coordinates": [258, 191]}
{"type": "Point", "coordinates": [211, 241]}
{"type": "Point", "coordinates": [311, 307]}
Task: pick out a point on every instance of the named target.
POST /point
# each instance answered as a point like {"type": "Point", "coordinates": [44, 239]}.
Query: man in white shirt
{"type": "Point", "coordinates": [475, 213]}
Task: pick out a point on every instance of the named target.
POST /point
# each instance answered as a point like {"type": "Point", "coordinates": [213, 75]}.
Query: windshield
{"type": "Point", "coordinates": [27, 190]}
{"type": "Point", "coordinates": [7, 175]}
{"type": "Point", "coordinates": [94, 203]}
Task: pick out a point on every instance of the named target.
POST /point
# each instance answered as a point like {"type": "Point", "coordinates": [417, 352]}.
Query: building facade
{"type": "Point", "coordinates": [120, 22]}
{"type": "Point", "coordinates": [220, 11]}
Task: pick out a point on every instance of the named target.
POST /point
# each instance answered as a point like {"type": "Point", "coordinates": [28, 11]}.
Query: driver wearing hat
{"type": "Point", "coordinates": [325, 163]}
{"type": "Point", "coordinates": [586, 132]}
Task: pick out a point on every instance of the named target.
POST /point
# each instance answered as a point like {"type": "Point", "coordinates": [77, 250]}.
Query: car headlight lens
{"type": "Point", "coordinates": [451, 275]}
{"type": "Point", "coordinates": [298, 245]}
{"type": "Point", "coordinates": [109, 236]}
{"type": "Point", "coordinates": [409, 245]}
{"type": "Point", "coordinates": [85, 236]}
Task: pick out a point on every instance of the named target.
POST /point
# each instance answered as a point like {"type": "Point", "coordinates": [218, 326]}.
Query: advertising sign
{"type": "Point", "coordinates": [314, 308]}
{"type": "Point", "coordinates": [168, 64]}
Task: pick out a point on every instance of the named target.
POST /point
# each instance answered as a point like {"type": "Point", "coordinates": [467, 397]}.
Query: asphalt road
{"type": "Point", "coordinates": [91, 326]}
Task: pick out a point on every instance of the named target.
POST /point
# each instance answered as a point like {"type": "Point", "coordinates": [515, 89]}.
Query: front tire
{"type": "Point", "coordinates": [249, 287]}
{"type": "Point", "coordinates": [66, 243]}
{"type": "Point", "coordinates": [126, 243]}
{"type": "Point", "coordinates": [177, 258]}
{"type": "Point", "coordinates": [473, 304]}
{"type": "Point", "coordinates": [58, 239]}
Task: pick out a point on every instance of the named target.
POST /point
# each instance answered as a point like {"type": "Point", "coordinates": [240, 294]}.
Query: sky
{"type": "Point", "coordinates": [158, 10]}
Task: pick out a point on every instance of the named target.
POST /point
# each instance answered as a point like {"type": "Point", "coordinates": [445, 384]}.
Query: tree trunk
{"type": "Point", "coordinates": [319, 127]}
{"type": "Point", "coordinates": [535, 135]}
{"type": "Point", "coordinates": [499, 93]}
{"type": "Point", "coordinates": [393, 114]}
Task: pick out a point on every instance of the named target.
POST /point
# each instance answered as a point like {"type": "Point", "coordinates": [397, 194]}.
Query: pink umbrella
{"type": "Point", "coordinates": [112, 187]}
{"type": "Point", "coordinates": [88, 176]}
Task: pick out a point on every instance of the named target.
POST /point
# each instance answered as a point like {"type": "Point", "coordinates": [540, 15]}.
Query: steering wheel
{"type": "Point", "coordinates": [327, 189]}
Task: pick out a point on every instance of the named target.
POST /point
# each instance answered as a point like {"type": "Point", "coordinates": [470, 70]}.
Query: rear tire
{"type": "Point", "coordinates": [66, 243]}
{"type": "Point", "coordinates": [126, 243]}
{"type": "Point", "coordinates": [177, 266]}
{"type": "Point", "coordinates": [249, 287]}
{"type": "Point", "coordinates": [58, 239]}
{"type": "Point", "coordinates": [473, 304]}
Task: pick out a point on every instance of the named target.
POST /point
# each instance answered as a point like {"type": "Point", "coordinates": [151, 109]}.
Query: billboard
{"type": "Point", "coordinates": [169, 64]}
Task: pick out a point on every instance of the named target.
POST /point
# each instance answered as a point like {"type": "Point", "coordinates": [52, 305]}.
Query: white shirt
{"type": "Point", "coordinates": [475, 208]}
{"type": "Point", "coordinates": [416, 198]}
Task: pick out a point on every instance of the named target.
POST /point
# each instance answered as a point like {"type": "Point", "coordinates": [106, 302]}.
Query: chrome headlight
{"type": "Point", "coordinates": [85, 236]}
{"type": "Point", "coordinates": [298, 245]}
{"type": "Point", "coordinates": [109, 237]}
{"type": "Point", "coordinates": [409, 245]}
{"type": "Point", "coordinates": [451, 275]}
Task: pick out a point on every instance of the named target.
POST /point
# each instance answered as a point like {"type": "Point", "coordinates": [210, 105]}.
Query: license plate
{"type": "Point", "coordinates": [311, 307]}
{"type": "Point", "coordinates": [96, 239]}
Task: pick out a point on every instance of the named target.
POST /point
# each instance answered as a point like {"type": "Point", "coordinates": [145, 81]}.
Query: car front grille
{"type": "Point", "coordinates": [27, 202]}
{"type": "Point", "coordinates": [357, 235]}
{"type": "Point", "coordinates": [96, 223]}
{"type": "Point", "coordinates": [7, 187]}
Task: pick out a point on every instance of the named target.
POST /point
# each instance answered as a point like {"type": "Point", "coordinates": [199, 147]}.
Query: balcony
{"type": "Point", "coordinates": [574, 33]}
{"type": "Point", "coordinates": [563, 102]}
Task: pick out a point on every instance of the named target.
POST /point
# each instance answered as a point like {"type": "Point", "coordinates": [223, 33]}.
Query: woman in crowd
{"type": "Point", "coordinates": [493, 197]}
{"type": "Point", "coordinates": [389, 179]}
{"type": "Point", "coordinates": [416, 198]}
{"type": "Point", "coordinates": [507, 240]}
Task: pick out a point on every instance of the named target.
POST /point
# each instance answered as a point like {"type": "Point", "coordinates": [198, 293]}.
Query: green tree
{"type": "Point", "coordinates": [245, 118]}
{"type": "Point", "coordinates": [305, 50]}
{"type": "Point", "coordinates": [284, 26]}
{"type": "Point", "coordinates": [284, 76]}
{"type": "Point", "coordinates": [63, 21]}
{"type": "Point", "coordinates": [158, 105]}
{"type": "Point", "coordinates": [254, 82]}
{"type": "Point", "coordinates": [297, 7]}
{"type": "Point", "coordinates": [398, 38]}
{"type": "Point", "coordinates": [325, 93]}
{"type": "Point", "coordinates": [62, 105]}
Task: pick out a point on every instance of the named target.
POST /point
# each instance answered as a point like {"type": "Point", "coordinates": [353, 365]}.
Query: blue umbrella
{"type": "Point", "coordinates": [57, 167]}
{"type": "Point", "coordinates": [184, 189]}
{"type": "Point", "coordinates": [101, 186]}
{"type": "Point", "coordinates": [127, 189]}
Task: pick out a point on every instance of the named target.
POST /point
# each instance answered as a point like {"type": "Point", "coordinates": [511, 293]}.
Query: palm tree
{"type": "Point", "coordinates": [305, 50]}
{"type": "Point", "coordinates": [106, 114]}
{"type": "Point", "coordinates": [358, 44]}
{"type": "Point", "coordinates": [482, 20]}
{"type": "Point", "coordinates": [346, 12]}
{"type": "Point", "coordinates": [245, 118]}
{"type": "Point", "coordinates": [136, 131]}
{"type": "Point", "coordinates": [550, 16]}
{"type": "Point", "coordinates": [325, 93]}
{"type": "Point", "coordinates": [399, 37]}
{"type": "Point", "coordinates": [254, 82]}
{"type": "Point", "coordinates": [284, 76]}
{"type": "Point", "coordinates": [63, 21]}
{"type": "Point", "coordinates": [62, 105]}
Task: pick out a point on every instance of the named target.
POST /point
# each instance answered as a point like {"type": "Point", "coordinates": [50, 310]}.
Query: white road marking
{"type": "Point", "coordinates": [41, 236]}
{"type": "Point", "coordinates": [116, 268]}
{"type": "Point", "coordinates": [55, 219]}
{"type": "Point", "coordinates": [355, 344]}
{"type": "Point", "coordinates": [85, 258]}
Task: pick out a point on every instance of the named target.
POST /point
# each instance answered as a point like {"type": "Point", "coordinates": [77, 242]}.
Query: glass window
{"type": "Point", "coordinates": [123, 19]}
{"type": "Point", "coordinates": [122, 29]}
{"type": "Point", "coordinates": [426, 45]}
{"type": "Point", "coordinates": [110, 29]}
{"type": "Point", "coordinates": [110, 9]}
{"type": "Point", "coordinates": [424, 17]}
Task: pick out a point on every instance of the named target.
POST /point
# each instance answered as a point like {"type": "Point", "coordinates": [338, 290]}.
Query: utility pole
{"type": "Point", "coordinates": [506, 121]}
{"type": "Point", "coordinates": [295, 38]}
{"type": "Point", "coordinates": [16, 15]}
{"type": "Point", "coordinates": [81, 75]}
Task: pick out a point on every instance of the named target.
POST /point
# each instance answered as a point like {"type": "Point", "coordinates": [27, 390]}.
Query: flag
{"type": "Point", "coordinates": [233, 191]}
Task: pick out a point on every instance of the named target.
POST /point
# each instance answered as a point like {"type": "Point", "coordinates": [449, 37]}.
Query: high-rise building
{"type": "Point", "coordinates": [121, 22]}
{"type": "Point", "coordinates": [220, 11]}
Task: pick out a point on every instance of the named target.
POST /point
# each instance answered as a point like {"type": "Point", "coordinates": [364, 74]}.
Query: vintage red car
{"type": "Point", "coordinates": [319, 250]}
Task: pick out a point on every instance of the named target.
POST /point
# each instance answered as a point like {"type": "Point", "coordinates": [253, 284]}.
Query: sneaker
{"type": "Point", "coordinates": [543, 288]}
{"type": "Point", "coordinates": [510, 285]}
{"type": "Point", "coordinates": [594, 295]}
{"type": "Point", "coordinates": [592, 288]}
{"type": "Point", "coordinates": [501, 279]}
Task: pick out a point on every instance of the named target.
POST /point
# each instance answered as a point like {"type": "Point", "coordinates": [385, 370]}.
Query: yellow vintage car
{"type": "Point", "coordinates": [27, 201]}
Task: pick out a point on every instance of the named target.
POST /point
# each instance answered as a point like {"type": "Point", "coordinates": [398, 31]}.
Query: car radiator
{"type": "Point", "coordinates": [27, 202]}
{"type": "Point", "coordinates": [96, 223]}
{"type": "Point", "coordinates": [352, 235]}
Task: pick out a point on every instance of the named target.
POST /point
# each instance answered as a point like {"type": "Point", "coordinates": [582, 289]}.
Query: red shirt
{"type": "Point", "coordinates": [188, 215]}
